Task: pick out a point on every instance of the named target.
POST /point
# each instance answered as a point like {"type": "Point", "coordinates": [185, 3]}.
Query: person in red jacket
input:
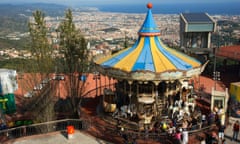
{"type": "Point", "coordinates": [235, 130]}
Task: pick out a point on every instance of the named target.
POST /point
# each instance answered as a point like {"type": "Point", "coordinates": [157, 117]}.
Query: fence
{"type": "Point", "coordinates": [41, 128]}
{"type": "Point", "coordinates": [161, 137]}
{"type": "Point", "coordinates": [83, 124]}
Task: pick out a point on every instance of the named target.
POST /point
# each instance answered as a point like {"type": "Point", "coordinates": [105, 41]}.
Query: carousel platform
{"type": "Point", "coordinates": [105, 127]}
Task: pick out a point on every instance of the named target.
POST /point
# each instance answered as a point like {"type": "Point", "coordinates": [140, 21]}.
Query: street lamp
{"type": "Point", "coordinates": [216, 77]}
{"type": "Point", "coordinates": [216, 74]}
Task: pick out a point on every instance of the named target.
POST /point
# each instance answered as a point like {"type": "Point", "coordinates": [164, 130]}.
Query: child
{"type": "Point", "coordinates": [221, 132]}
{"type": "Point", "coordinates": [178, 136]}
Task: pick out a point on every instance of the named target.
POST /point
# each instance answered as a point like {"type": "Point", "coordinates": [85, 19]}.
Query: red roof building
{"type": "Point", "coordinates": [230, 52]}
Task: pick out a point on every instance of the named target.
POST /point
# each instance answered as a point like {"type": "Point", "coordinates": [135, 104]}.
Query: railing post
{"type": "Point", "coordinates": [24, 131]}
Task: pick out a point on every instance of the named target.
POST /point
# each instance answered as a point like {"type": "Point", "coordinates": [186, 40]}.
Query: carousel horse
{"type": "Point", "coordinates": [175, 110]}
{"type": "Point", "coordinates": [180, 115]}
{"type": "Point", "coordinates": [126, 110]}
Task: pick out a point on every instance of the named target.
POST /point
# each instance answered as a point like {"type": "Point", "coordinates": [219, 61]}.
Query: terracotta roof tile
{"type": "Point", "coordinates": [231, 52]}
{"type": "Point", "coordinates": [206, 84]}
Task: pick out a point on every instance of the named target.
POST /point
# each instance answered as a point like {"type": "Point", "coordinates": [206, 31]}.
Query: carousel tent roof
{"type": "Point", "coordinates": [149, 54]}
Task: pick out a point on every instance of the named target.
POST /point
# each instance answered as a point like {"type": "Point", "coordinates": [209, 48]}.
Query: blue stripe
{"type": "Point", "coordinates": [145, 60]}
{"type": "Point", "coordinates": [177, 62]}
{"type": "Point", "coordinates": [149, 25]}
{"type": "Point", "coordinates": [114, 60]}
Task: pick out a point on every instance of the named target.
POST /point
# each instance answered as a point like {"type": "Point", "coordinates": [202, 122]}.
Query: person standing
{"type": "Point", "coordinates": [185, 136]}
{"type": "Point", "coordinates": [221, 132]}
{"type": "Point", "coordinates": [235, 130]}
{"type": "Point", "coordinates": [202, 140]}
{"type": "Point", "coordinates": [224, 141]}
{"type": "Point", "coordinates": [178, 136]}
{"type": "Point", "coordinates": [214, 139]}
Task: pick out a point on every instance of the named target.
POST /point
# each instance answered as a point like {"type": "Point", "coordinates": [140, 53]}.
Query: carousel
{"type": "Point", "coordinates": [153, 80]}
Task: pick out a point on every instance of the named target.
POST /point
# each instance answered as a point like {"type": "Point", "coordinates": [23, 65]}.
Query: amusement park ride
{"type": "Point", "coordinates": [153, 80]}
{"type": "Point", "coordinates": [8, 85]}
{"type": "Point", "coordinates": [153, 83]}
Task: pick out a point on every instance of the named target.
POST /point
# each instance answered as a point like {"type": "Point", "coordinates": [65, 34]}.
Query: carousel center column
{"type": "Point", "coordinates": [156, 110]}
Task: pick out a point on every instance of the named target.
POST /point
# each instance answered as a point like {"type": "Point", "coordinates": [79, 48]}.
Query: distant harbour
{"type": "Point", "coordinates": [214, 9]}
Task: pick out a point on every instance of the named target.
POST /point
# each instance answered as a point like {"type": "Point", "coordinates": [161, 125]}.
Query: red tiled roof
{"type": "Point", "coordinates": [90, 85]}
{"type": "Point", "coordinates": [27, 83]}
{"type": "Point", "coordinates": [231, 52]}
{"type": "Point", "coordinates": [206, 84]}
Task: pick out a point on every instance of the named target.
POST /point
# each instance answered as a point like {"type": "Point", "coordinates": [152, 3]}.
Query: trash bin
{"type": "Point", "coordinates": [70, 131]}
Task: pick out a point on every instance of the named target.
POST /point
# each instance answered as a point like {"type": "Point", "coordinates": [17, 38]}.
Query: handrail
{"type": "Point", "coordinates": [94, 90]}
{"type": "Point", "coordinates": [142, 135]}
{"type": "Point", "coordinates": [162, 137]}
{"type": "Point", "coordinates": [46, 127]}
{"type": "Point", "coordinates": [82, 124]}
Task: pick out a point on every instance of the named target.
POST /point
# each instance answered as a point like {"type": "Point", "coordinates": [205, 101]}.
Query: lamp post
{"type": "Point", "coordinates": [216, 77]}
{"type": "Point", "coordinates": [216, 74]}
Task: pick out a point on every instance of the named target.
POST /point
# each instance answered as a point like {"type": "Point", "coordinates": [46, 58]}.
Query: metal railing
{"type": "Point", "coordinates": [47, 127]}
{"type": "Point", "coordinates": [163, 137]}
{"type": "Point", "coordinates": [93, 93]}
{"type": "Point", "coordinates": [83, 124]}
{"type": "Point", "coordinates": [42, 128]}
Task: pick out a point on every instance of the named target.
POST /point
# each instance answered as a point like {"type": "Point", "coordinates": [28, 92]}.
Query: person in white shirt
{"type": "Point", "coordinates": [185, 136]}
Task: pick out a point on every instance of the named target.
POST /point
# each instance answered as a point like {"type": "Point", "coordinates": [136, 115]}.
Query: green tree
{"type": "Point", "coordinates": [75, 60]}
{"type": "Point", "coordinates": [41, 66]}
{"type": "Point", "coordinates": [39, 44]}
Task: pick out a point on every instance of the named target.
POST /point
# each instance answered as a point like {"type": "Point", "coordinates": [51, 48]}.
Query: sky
{"type": "Point", "coordinates": [105, 2]}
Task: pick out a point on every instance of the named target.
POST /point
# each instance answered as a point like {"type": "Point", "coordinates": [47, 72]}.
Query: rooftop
{"type": "Point", "coordinates": [230, 52]}
{"type": "Point", "coordinates": [149, 58]}
{"type": "Point", "coordinates": [197, 18]}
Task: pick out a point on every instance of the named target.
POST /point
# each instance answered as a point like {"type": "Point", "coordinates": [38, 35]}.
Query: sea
{"type": "Point", "coordinates": [213, 9]}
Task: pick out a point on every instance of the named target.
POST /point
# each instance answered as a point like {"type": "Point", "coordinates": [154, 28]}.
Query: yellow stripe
{"type": "Point", "coordinates": [161, 63]}
{"type": "Point", "coordinates": [127, 62]}
{"type": "Point", "coordinates": [104, 59]}
{"type": "Point", "coordinates": [182, 56]}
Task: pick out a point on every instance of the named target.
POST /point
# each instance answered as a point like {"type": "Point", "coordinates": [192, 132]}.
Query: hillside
{"type": "Point", "coordinates": [14, 18]}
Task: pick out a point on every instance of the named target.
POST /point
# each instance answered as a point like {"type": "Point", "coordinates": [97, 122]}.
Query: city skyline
{"type": "Point", "coordinates": [111, 2]}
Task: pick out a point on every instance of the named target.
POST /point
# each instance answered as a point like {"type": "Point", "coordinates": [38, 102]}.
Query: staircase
{"type": "Point", "coordinates": [39, 99]}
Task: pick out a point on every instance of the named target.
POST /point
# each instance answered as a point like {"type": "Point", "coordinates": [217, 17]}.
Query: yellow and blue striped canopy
{"type": "Point", "coordinates": [149, 54]}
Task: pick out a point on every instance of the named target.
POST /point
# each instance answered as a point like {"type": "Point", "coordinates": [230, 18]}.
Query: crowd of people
{"type": "Point", "coordinates": [179, 130]}
{"type": "Point", "coordinates": [183, 117]}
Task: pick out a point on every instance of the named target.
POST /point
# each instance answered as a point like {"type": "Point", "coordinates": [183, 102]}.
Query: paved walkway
{"type": "Point", "coordinates": [229, 132]}
{"type": "Point", "coordinates": [83, 138]}
{"type": "Point", "coordinates": [59, 138]}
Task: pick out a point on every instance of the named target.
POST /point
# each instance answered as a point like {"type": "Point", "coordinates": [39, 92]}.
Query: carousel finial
{"type": "Point", "coordinates": [149, 5]}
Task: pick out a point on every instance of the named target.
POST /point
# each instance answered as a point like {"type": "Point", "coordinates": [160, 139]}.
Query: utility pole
{"type": "Point", "coordinates": [216, 74]}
